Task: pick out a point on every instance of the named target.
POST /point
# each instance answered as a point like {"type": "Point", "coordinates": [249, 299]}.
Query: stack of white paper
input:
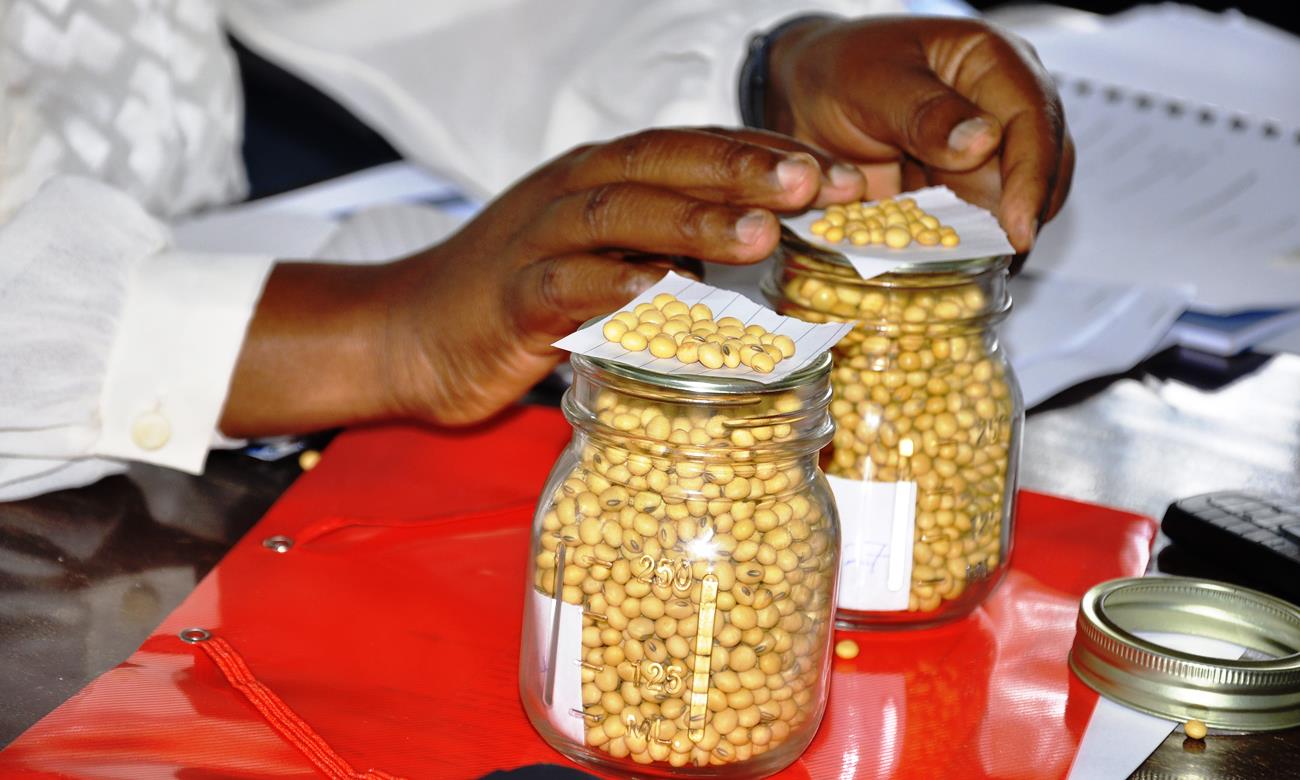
{"type": "Point", "coordinates": [1188, 154]}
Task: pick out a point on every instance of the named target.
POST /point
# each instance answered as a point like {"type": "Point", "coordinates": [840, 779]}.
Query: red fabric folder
{"type": "Point", "coordinates": [384, 642]}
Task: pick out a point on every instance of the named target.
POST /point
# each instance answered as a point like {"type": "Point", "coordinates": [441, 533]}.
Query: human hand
{"type": "Point", "coordinates": [918, 101]}
{"type": "Point", "coordinates": [457, 332]}
{"type": "Point", "coordinates": [472, 320]}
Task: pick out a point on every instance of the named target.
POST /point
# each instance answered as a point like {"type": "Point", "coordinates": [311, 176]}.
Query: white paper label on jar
{"type": "Point", "coordinates": [558, 637]}
{"type": "Point", "coordinates": [877, 527]}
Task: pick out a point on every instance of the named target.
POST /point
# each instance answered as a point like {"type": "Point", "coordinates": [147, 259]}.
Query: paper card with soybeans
{"type": "Point", "coordinates": [977, 230]}
{"type": "Point", "coordinates": [808, 340]}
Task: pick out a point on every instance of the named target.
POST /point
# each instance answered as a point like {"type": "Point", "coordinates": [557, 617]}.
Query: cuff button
{"type": "Point", "coordinates": [150, 431]}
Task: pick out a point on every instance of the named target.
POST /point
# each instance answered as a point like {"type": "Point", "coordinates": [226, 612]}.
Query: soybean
{"type": "Point", "coordinates": [920, 396]}
{"type": "Point", "coordinates": [669, 329]}
{"type": "Point", "coordinates": [895, 224]}
{"type": "Point", "coordinates": [729, 506]}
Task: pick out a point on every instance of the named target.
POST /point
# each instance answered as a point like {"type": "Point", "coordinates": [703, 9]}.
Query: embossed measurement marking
{"type": "Point", "coordinates": [703, 651]}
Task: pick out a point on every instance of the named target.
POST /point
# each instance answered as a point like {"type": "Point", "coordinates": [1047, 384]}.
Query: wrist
{"type": "Point", "coordinates": [411, 358]}
{"type": "Point", "coordinates": [314, 353]}
{"type": "Point", "coordinates": [763, 86]}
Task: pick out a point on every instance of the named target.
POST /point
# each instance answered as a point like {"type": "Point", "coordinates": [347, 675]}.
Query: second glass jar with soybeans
{"type": "Point", "coordinates": [693, 545]}
{"type": "Point", "coordinates": [923, 395]}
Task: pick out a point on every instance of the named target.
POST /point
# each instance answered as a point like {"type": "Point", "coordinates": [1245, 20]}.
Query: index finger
{"type": "Point", "coordinates": [1030, 161]}
{"type": "Point", "coordinates": [701, 162]}
{"type": "Point", "coordinates": [1025, 101]}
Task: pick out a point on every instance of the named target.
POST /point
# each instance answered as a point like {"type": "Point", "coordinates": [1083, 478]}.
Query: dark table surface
{"type": "Point", "coordinates": [86, 574]}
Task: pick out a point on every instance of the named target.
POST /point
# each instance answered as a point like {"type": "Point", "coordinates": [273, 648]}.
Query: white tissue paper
{"type": "Point", "coordinates": [980, 233]}
{"type": "Point", "coordinates": [810, 340]}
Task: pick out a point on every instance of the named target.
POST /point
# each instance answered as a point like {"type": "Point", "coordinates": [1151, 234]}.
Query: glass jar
{"type": "Point", "coordinates": [924, 395]}
{"type": "Point", "coordinates": [695, 545]}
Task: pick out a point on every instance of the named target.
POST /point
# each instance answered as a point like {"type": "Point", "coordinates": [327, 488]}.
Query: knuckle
{"type": "Point", "coordinates": [693, 220]}
{"type": "Point", "coordinates": [920, 121]}
{"type": "Point", "coordinates": [550, 288]}
{"type": "Point", "coordinates": [625, 278]}
{"type": "Point", "coordinates": [739, 162]}
{"type": "Point", "coordinates": [1014, 44]}
{"type": "Point", "coordinates": [580, 155]}
{"type": "Point", "coordinates": [596, 208]}
{"type": "Point", "coordinates": [633, 149]}
{"type": "Point", "coordinates": [1006, 44]}
{"type": "Point", "coordinates": [564, 174]}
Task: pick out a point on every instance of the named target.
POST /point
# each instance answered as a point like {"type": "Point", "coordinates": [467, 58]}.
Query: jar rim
{"type": "Point", "coordinates": [705, 385]}
{"type": "Point", "coordinates": [969, 265]}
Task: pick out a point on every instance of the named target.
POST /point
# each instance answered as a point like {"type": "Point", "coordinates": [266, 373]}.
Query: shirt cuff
{"type": "Point", "coordinates": [169, 371]}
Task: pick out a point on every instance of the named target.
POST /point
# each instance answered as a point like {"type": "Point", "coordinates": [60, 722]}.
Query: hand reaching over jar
{"type": "Point", "coordinates": [916, 101]}
{"type": "Point", "coordinates": [459, 331]}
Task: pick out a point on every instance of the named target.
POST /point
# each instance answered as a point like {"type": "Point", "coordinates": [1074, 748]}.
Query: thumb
{"type": "Point", "coordinates": [933, 123]}
{"type": "Point", "coordinates": [558, 294]}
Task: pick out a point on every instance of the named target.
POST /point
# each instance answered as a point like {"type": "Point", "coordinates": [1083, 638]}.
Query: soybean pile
{"type": "Point", "coordinates": [669, 328]}
{"type": "Point", "coordinates": [919, 395]}
{"type": "Point", "coordinates": [895, 224]}
{"type": "Point", "coordinates": [678, 511]}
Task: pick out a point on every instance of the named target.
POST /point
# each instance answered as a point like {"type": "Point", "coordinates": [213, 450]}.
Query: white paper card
{"type": "Point", "coordinates": [1063, 330]}
{"type": "Point", "coordinates": [1194, 199]}
{"type": "Point", "coordinates": [562, 683]}
{"type": "Point", "coordinates": [1118, 739]}
{"type": "Point", "coordinates": [810, 340]}
{"type": "Point", "coordinates": [877, 527]}
{"type": "Point", "coordinates": [981, 235]}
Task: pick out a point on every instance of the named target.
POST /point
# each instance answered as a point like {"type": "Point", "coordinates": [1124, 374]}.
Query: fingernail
{"type": "Point", "coordinates": [844, 176]}
{"type": "Point", "coordinates": [965, 134]}
{"type": "Point", "coordinates": [792, 171]}
{"type": "Point", "coordinates": [1031, 233]}
{"type": "Point", "coordinates": [639, 283]}
{"type": "Point", "coordinates": [750, 228]}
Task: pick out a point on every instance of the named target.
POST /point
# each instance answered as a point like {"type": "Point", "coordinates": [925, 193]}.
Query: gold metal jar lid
{"type": "Point", "coordinates": [1239, 695]}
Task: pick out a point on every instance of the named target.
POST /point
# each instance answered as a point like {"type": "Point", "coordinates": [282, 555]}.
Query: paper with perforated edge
{"type": "Point", "coordinates": [810, 339]}
{"type": "Point", "coordinates": [981, 235]}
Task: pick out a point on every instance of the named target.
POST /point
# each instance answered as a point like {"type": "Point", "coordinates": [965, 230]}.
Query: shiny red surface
{"type": "Point", "coordinates": [392, 627]}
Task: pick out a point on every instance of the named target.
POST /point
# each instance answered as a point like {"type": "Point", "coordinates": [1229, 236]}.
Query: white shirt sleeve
{"type": "Point", "coordinates": [484, 90]}
{"type": "Point", "coordinates": [115, 346]}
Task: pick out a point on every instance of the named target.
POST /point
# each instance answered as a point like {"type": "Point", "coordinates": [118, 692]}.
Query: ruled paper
{"type": "Point", "coordinates": [980, 233]}
{"type": "Point", "coordinates": [811, 340]}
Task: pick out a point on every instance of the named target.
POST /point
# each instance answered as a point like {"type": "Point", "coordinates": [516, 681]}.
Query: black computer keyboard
{"type": "Point", "coordinates": [1255, 535]}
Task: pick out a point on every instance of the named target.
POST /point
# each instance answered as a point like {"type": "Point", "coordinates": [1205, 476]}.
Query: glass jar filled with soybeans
{"type": "Point", "coordinates": [922, 395]}
{"type": "Point", "coordinates": [680, 596]}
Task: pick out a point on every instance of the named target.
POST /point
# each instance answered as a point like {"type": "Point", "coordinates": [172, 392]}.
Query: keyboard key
{"type": "Point", "coordinates": [1291, 530]}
